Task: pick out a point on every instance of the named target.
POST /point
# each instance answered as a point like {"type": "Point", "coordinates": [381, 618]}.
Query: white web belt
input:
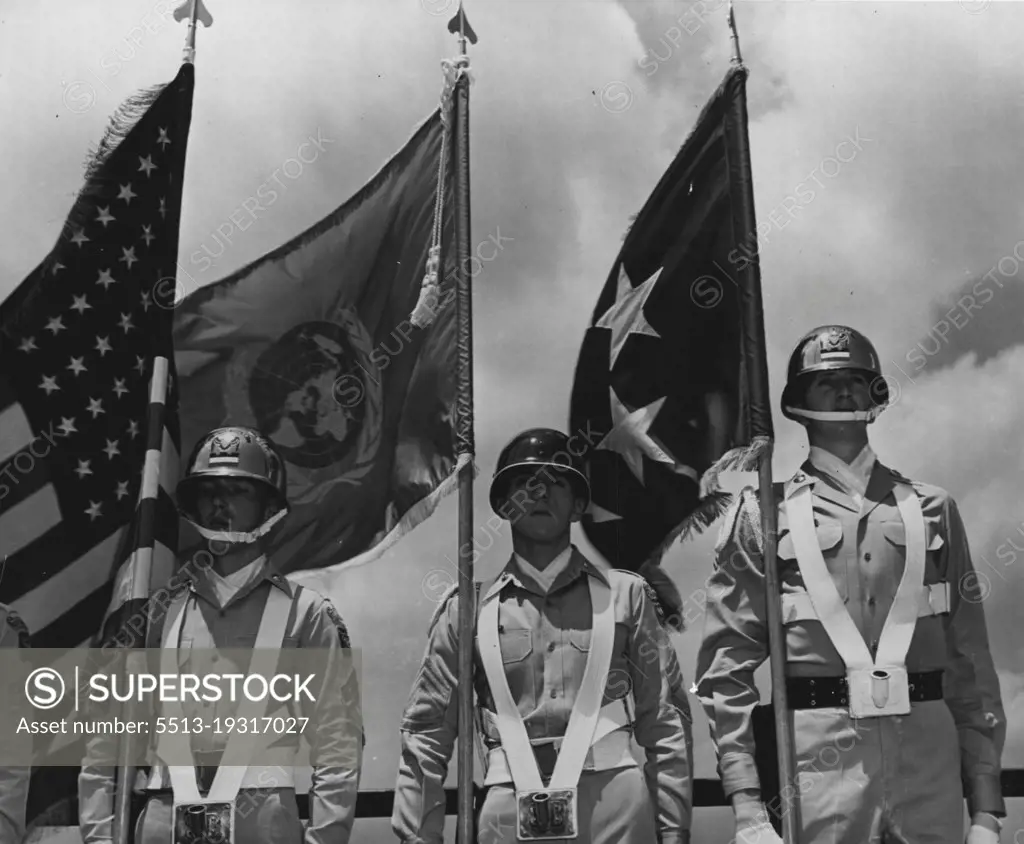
{"type": "Point", "coordinates": [878, 686]}
{"type": "Point", "coordinates": [241, 746]}
{"type": "Point", "coordinates": [579, 735]}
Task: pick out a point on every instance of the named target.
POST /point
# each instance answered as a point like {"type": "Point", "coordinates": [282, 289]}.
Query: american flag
{"type": "Point", "coordinates": [79, 338]}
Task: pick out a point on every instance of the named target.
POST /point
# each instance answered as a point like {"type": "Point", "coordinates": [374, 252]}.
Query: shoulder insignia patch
{"type": "Point", "coordinates": [17, 624]}
{"type": "Point", "coordinates": [332, 614]}
{"type": "Point", "coordinates": [652, 596]}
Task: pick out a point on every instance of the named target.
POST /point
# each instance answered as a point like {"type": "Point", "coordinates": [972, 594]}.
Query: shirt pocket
{"type": "Point", "coordinates": [828, 531]}
{"type": "Point", "coordinates": [895, 533]}
{"type": "Point", "coordinates": [516, 644]}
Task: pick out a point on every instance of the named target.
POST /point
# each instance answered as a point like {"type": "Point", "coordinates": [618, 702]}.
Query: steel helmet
{"type": "Point", "coordinates": [234, 452]}
{"type": "Point", "coordinates": [828, 348]}
{"type": "Point", "coordinates": [533, 450]}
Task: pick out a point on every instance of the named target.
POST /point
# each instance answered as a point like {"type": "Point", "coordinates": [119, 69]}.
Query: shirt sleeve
{"type": "Point", "coordinates": [429, 729]}
{"type": "Point", "coordinates": [971, 684]}
{"type": "Point", "coordinates": [734, 644]}
{"type": "Point", "coordinates": [14, 779]}
{"type": "Point", "coordinates": [660, 726]}
{"type": "Point", "coordinates": [335, 731]}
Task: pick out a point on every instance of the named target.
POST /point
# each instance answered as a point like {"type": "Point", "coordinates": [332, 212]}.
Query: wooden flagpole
{"type": "Point", "coordinates": [466, 447]}
{"type": "Point", "coordinates": [139, 579]}
{"type": "Point", "coordinates": [769, 531]}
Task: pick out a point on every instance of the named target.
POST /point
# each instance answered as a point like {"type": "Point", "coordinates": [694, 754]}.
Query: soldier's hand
{"type": "Point", "coordinates": [757, 830]}
{"type": "Point", "coordinates": [982, 835]}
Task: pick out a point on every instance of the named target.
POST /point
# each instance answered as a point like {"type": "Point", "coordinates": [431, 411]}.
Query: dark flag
{"type": "Point", "coordinates": [79, 336]}
{"type": "Point", "coordinates": [671, 385]}
{"type": "Point", "coordinates": [316, 345]}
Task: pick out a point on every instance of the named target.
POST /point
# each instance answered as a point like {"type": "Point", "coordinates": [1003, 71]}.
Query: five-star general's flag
{"type": "Point", "coordinates": [671, 384]}
{"type": "Point", "coordinates": [312, 344]}
{"type": "Point", "coordinates": [79, 338]}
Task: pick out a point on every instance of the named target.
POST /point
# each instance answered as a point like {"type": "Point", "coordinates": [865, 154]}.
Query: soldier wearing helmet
{"type": "Point", "coordinates": [895, 701]}
{"type": "Point", "coordinates": [571, 661]}
{"type": "Point", "coordinates": [230, 596]}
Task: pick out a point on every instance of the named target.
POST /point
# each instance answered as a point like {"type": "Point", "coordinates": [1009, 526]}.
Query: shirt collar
{"type": "Point", "coordinates": [548, 576]}
{"type": "Point", "coordinates": [851, 477]}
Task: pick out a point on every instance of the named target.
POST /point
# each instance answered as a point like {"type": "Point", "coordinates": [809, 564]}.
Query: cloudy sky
{"type": "Point", "coordinates": [884, 137]}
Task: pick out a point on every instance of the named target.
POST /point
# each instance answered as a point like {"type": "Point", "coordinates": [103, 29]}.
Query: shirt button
{"type": "Point", "coordinates": [551, 647]}
{"type": "Point", "coordinates": [867, 557]}
{"type": "Point", "coordinates": [554, 693]}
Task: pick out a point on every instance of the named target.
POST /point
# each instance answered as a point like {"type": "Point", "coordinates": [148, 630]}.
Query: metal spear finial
{"type": "Point", "coordinates": [192, 10]}
{"type": "Point", "coordinates": [737, 59]}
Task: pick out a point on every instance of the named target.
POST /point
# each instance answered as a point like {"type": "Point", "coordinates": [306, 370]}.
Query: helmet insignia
{"type": "Point", "coordinates": [836, 342]}
{"type": "Point", "coordinates": [225, 448]}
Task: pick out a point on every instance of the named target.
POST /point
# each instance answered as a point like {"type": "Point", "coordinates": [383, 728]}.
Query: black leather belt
{"type": "Point", "coordinates": [821, 692]}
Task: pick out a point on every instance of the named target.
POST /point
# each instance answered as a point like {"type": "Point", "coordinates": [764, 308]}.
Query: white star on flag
{"type": "Point", "coordinates": [68, 426]}
{"type": "Point", "coordinates": [127, 194]}
{"type": "Point", "coordinates": [105, 216]}
{"type": "Point", "coordinates": [119, 387]}
{"type": "Point", "coordinates": [598, 514]}
{"type": "Point", "coordinates": [626, 315]}
{"type": "Point", "coordinates": [55, 325]}
{"type": "Point", "coordinates": [93, 510]}
{"type": "Point", "coordinates": [129, 256]}
{"type": "Point", "coordinates": [28, 344]}
{"type": "Point", "coordinates": [103, 345]}
{"type": "Point", "coordinates": [112, 449]}
{"type": "Point", "coordinates": [83, 468]}
{"type": "Point", "coordinates": [95, 407]}
{"type": "Point", "coordinates": [49, 384]}
{"type": "Point", "coordinates": [629, 436]}
{"type": "Point", "coordinates": [106, 279]}
{"type": "Point", "coordinates": [163, 140]}
{"type": "Point", "coordinates": [147, 235]}
{"type": "Point", "coordinates": [79, 237]}
{"type": "Point", "coordinates": [147, 164]}
{"type": "Point", "coordinates": [80, 304]}
{"type": "Point", "coordinates": [77, 366]}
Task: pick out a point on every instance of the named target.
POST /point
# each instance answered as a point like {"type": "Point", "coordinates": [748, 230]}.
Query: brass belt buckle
{"type": "Point", "coordinates": [207, 822]}
{"type": "Point", "coordinates": [546, 814]}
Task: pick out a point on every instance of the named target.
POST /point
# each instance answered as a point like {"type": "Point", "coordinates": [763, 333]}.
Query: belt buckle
{"type": "Point", "coordinates": [546, 814]}
{"type": "Point", "coordinates": [205, 822]}
{"type": "Point", "coordinates": [877, 692]}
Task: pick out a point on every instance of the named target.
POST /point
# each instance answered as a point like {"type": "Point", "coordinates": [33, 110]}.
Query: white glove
{"type": "Point", "coordinates": [981, 835]}
{"type": "Point", "coordinates": [757, 830]}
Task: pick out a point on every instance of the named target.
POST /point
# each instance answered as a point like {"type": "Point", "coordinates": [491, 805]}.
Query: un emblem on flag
{"type": "Point", "coordinates": [294, 395]}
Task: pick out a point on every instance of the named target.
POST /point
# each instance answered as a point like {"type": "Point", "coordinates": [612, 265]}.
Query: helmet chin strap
{"type": "Point", "coordinates": [237, 537]}
{"type": "Point", "coordinates": [868, 416]}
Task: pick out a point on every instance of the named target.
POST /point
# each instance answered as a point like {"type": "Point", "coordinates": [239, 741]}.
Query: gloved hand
{"type": "Point", "coordinates": [756, 829]}
{"type": "Point", "coordinates": [981, 835]}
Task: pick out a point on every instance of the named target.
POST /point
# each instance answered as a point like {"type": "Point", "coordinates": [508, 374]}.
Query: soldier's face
{"type": "Point", "coordinates": [543, 505]}
{"type": "Point", "coordinates": [230, 504]}
{"type": "Point", "coordinates": [842, 390]}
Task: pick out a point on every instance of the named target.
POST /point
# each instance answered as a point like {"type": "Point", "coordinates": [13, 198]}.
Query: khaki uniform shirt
{"type": "Point", "coordinates": [336, 743]}
{"type": "Point", "coordinates": [865, 549]}
{"type": "Point", "coordinates": [545, 640]}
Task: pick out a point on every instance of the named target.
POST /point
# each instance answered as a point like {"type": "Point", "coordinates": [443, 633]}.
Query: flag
{"type": "Point", "coordinates": [79, 337]}
{"type": "Point", "coordinates": [671, 381]}
{"type": "Point", "coordinates": [459, 25]}
{"type": "Point", "coordinates": [313, 344]}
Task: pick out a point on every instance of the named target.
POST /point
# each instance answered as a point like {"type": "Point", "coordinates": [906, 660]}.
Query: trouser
{"type": "Point", "coordinates": [614, 808]}
{"type": "Point", "coordinates": [889, 780]}
{"type": "Point", "coordinates": [262, 816]}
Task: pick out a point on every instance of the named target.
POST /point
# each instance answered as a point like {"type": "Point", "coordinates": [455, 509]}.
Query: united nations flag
{"type": "Point", "coordinates": [315, 345]}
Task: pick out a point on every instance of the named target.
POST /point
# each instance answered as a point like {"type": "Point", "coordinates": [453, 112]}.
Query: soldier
{"type": "Point", "coordinates": [14, 779]}
{"type": "Point", "coordinates": [234, 492]}
{"type": "Point", "coordinates": [888, 670]}
{"type": "Point", "coordinates": [570, 662]}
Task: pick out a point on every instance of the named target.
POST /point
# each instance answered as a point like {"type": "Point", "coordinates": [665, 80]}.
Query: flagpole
{"type": "Point", "coordinates": [139, 578]}
{"type": "Point", "coordinates": [769, 519]}
{"type": "Point", "coordinates": [466, 447]}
